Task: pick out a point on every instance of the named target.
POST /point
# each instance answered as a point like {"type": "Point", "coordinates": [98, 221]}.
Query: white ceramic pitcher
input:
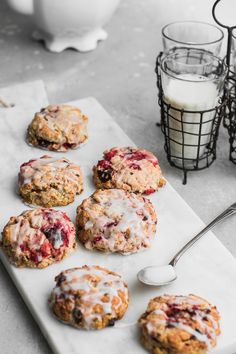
{"type": "Point", "coordinates": [68, 23]}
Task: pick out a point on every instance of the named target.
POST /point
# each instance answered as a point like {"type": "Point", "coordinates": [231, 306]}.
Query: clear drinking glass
{"type": "Point", "coordinates": [192, 34]}
{"type": "Point", "coordinates": [192, 83]}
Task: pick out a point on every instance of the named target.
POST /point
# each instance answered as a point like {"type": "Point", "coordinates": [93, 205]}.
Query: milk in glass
{"type": "Point", "coordinates": [190, 92]}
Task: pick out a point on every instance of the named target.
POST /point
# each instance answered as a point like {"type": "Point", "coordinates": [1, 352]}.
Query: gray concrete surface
{"type": "Point", "coordinates": [120, 74]}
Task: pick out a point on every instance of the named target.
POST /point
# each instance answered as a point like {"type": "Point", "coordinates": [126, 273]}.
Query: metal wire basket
{"type": "Point", "coordinates": [229, 121]}
{"type": "Point", "coordinates": [190, 145]}
{"type": "Point", "coordinates": [176, 134]}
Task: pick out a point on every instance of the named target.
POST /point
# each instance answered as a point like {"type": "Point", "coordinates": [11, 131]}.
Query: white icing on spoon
{"type": "Point", "coordinates": [160, 275]}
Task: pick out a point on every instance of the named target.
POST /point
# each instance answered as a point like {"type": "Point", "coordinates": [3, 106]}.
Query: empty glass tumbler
{"type": "Point", "coordinates": [192, 34]}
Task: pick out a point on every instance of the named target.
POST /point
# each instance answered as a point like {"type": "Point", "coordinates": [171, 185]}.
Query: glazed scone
{"type": "Point", "coordinates": [114, 220]}
{"type": "Point", "coordinates": [89, 297]}
{"type": "Point", "coordinates": [49, 182]}
{"type": "Point", "coordinates": [179, 325]}
{"type": "Point", "coordinates": [38, 238]}
{"type": "Point", "coordinates": [58, 128]}
{"type": "Point", "coordinates": [128, 168]}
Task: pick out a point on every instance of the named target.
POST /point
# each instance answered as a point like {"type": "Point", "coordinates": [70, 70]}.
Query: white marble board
{"type": "Point", "coordinates": [208, 269]}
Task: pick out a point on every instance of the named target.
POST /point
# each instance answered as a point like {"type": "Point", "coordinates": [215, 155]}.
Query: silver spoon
{"type": "Point", "coordinates": [163, 275]}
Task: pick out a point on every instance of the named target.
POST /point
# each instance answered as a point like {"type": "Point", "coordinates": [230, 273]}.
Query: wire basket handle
{"type": "Point", "coordinates": [229, 30]}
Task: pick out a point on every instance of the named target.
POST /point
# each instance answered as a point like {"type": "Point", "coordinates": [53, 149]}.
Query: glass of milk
{"type": "Point", "coordinates": [192, 84]}
{"type": "Point", "coordinates": [192, 34]}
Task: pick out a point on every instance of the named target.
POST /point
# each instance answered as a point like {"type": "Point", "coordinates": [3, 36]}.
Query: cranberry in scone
{"type": "Point", "coordinates": [128, 168]}
{"type": "Point", "coordinates": [38, 238]}
{"type": "Point", "coordinates": [179, 324]}
{"type": "Point", "coordinates": [116, 221]}
{"type": "Point", "coordinates": [49, 181]}
{"type": "Point", "coordinates": [58, 128]}
{"type": "Point", "coordinates": [89, 297]}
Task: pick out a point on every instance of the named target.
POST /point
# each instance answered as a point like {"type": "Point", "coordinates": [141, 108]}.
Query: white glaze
{"type": "Point", "coordinates": [28, 231]}
{"type": "Point", "coordinates": [191, 300]}
{"type": "Point", "coordinates": [122, 162]}
{"type": "Point", "coordinates": [63, 117]}
{"type": "Point", "coordinates": [22, 231]}
{"type": "Point", "coordinates": [158, 275]}
{"type": "Point", "coordinates": [88, 225]}
{"type": "Point", "coordinates": [77, 280]}
{"type": "Point", "coordinates": [199, 336]}
{"type": "Point", "coordinates": [37, 169]}
{"type": "Point", "coordinates": [126, 210]}
{"type": "Point", "coordinates": [207, 333]}
{"type": "Point", "coordinates": [116, 206]}
{"type": "Point", "coordinates": [57, 239]}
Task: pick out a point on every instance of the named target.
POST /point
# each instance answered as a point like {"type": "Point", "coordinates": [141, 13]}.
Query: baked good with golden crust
{"type": "Point", "coordinates": [49, 181]}
{"type": "Point", "coordinates": [89, 297]}
{"type": "Point", "coordinates": [179, 325]}
{"type": "Point", "coordinates": [37, 238]}
{"type": "Point", "coordinates": [114, 220]}
{"type": "Point", "coordinates": [128, 168]}
{"type": "Point", "coordinates": [58, 128]}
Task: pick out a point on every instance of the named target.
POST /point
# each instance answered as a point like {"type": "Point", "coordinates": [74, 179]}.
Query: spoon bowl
{"type": "Point", "coordinates": [157, 275]}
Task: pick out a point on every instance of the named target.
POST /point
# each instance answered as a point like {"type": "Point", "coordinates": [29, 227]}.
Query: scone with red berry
{"type": "Point", "coordinates": [58, 128]}
{"type": "Point", "coordinates": [49, 181]}
{"type": "Point", "coordinates": [128, 168]}
{"type": "Point", "coordinates": [38, 238]}
{"type": "Point", "coordinates": [179, 325]}
{"type": "Point", "coordinates": [89, 297]}
{"type": "Point", "coordinates": [116, 221]}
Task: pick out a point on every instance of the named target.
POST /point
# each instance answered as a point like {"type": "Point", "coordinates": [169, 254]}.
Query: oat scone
{"type": "Point", "coordinates": [58, 128]}
{"type": "Point", "coordinates": [49, 182]}
{"type": "Point", "coordinates": [89, 297]}
{"type": "Point", "coordinates": [38, 238]}
{"type": "Point", "coordinates": [179, 325]}
{"type": "Point", "coordinates": [114, 220]}
{"type": "Point", "coordinates": [128, 168]}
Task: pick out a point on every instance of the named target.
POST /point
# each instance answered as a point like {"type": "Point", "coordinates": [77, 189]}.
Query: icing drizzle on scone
{"type": "Point", "coordinates": [191, 314]}
{"type": "Point", "coordinates": [58, 128]}
{"type": "Point", "coordinates": [49, 181]}
{"type": "Point", "coordinates": [95, 293]}
{"type": "Point", "coordinates": [38, 237]}
{"type": "Point", "coordinates": [40, 168]}
{"type": "Point", "coordinates": [129, 168]}
{"type": "Point", "coordinates": [116, 221]}
{"type": "Point", "coordinates": [62, 116]}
